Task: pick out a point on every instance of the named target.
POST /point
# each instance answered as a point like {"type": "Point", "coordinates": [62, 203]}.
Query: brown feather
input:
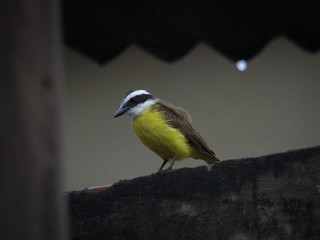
{"type": "Point", "coordinates": [180, 119]}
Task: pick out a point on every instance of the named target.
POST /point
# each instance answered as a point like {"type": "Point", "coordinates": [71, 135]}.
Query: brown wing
{"type": "Point", "coordinates": [181, 120]}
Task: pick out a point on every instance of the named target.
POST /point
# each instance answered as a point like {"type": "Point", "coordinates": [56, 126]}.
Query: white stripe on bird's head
{"type": "Point", "coordinates": [132, 94]}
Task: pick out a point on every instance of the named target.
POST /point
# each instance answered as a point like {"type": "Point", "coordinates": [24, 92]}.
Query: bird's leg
{"type": "Point", "coordinates": [173, 160]}
{"type": "Point", "coordinates": [162, 165]}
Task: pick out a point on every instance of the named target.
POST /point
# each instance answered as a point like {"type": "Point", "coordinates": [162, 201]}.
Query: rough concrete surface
{"type": "Point", "coordinates": [269, 197]}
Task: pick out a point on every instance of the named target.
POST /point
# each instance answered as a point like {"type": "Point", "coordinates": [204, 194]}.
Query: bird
{"type": "Point", "coordinates": [164, 128]}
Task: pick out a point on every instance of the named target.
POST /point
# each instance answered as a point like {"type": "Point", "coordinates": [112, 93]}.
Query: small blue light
{"type": "Point", "coordinates": [242, 65]}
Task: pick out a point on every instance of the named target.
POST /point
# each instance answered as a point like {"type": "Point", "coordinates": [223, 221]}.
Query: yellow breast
{"type": "Point", "coordinates": [154, 131]}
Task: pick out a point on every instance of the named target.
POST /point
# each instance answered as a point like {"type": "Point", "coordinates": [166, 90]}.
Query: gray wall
{"type": "Point", "coordinates": [273, 106]}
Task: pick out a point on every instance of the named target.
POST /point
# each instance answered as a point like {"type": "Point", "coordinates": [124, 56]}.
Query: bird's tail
{"type": "Point", "coordinates": [212, 159]}
{"type": "Point", "coordinates": [209, 156]}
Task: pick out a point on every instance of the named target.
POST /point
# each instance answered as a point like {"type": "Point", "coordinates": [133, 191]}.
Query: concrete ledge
{"type": "Point", "coordinates": [269, 197]}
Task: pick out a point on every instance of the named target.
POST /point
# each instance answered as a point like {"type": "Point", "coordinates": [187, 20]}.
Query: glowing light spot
{"type": "Point", "coordinates": [242, 65]}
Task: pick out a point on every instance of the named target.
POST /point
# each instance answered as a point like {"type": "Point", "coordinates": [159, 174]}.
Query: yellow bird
{"type": "Point", "coordinates": [164, 128]}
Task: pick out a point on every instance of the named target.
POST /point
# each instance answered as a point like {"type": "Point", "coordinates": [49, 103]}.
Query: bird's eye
{"type": "Point", "coordinates": [132, 100]}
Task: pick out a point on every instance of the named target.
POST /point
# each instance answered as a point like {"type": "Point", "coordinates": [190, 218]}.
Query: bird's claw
{"type": "Point", "coordinates": [161, 172]}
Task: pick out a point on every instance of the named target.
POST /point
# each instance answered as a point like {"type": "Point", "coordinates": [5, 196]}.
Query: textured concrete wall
{"type": "Point", "coordinates": [270, 197]}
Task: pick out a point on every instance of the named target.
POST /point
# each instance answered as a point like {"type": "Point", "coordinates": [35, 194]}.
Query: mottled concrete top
{"type": "Point", "coordinates": [269, 197]}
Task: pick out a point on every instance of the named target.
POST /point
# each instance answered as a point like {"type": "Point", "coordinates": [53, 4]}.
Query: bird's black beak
{"type": "Point", "coordinates": [120, 111]}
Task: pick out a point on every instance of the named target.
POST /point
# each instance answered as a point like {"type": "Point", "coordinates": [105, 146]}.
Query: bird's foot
{"type": "Point", "coordinates": [162, 171]}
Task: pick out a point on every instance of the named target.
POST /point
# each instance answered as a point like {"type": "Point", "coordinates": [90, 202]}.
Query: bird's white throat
{"type": "Point", "coordinates": [135, 111]}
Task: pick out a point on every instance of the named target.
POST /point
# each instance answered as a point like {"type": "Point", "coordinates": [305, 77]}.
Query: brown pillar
{"type": "Point", "coordinates": [31, 198]}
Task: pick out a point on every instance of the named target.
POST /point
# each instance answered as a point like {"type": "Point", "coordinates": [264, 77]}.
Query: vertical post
{"type": "Point", "coordinates": [31, 198]}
